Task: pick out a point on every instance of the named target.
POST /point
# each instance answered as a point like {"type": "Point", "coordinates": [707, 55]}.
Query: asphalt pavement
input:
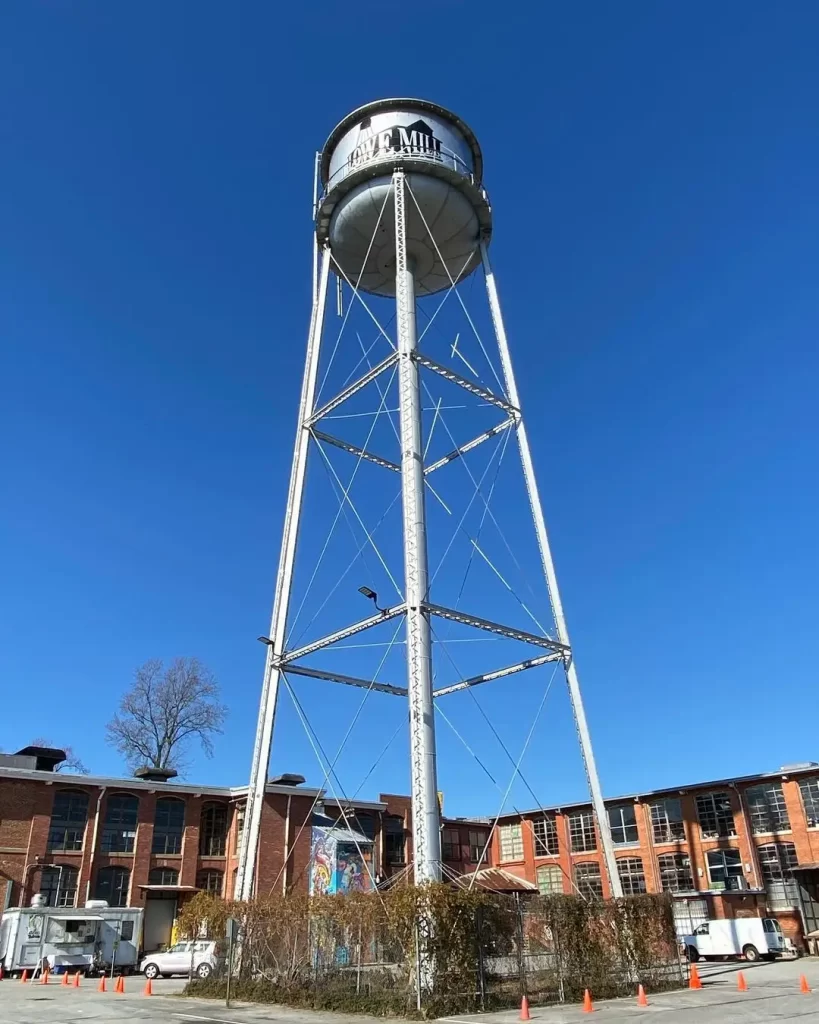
{"type": "Point", "coordinates": [773, 995]}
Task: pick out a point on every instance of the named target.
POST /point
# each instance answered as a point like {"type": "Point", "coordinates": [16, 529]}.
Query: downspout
{"type": "Point", "coordinates": [286, 844]}
{"type": "Point", "coordinates": [93, 853]}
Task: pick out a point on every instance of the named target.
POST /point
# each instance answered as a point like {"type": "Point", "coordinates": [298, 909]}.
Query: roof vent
{"type": "Point", "coordinates": [287, 780]}
{"type": "Point", "coordinates": [46, 758]}
{"type": "Point", "coordinates": [151, 774]}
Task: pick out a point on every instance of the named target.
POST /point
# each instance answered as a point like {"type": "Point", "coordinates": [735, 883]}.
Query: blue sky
{"type": "Point", "coordinates": [652, 169]}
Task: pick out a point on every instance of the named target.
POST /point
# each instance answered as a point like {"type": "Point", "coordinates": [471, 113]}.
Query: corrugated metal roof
{"type": "Point", "coordinates": [344, 835]}
{"type": "Point", "coordinates": [496, 880]}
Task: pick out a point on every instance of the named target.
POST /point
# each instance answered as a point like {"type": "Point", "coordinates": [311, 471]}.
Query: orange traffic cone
{"type": "Point", "coordinates": [119, 988]}
{"type": "Point", "coordinates": [24, 976]}
{"type": "Point", "coordinates": [101, 986]}
{"type": "Point", "coordinates": [694, 977]}
{"type": "Point", "coordinates": [44, 977]}
{"type": "Point", "coordinates": [587, 1002]}
{"type": "Point", "coordinates": [742, 984]}
{"type": "Point", "coordinates": [804, 987]}
{"type": "Point", "coordinates": [76, 981]}
{"type": "Point", "coordinates": [149, 991]}
{"type": "Point", "coordinates": [64, 978]}
{"type": "Point", "coordinates": [641, 996]}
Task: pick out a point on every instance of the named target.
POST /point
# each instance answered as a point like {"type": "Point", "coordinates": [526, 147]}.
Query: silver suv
{"type": "Point", "coordinates": [199, 958]}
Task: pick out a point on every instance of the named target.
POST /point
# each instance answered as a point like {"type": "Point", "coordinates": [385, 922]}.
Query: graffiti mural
{"type": "Point", "coordinates": [322, 863]}
{"type": "Point", "coordinates": [337, 865]}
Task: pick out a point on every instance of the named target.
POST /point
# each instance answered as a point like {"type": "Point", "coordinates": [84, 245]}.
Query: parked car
{"type": "Point", "coordinates": [200, 958]}
{"type": "Point", "coordinates": [751, 937]}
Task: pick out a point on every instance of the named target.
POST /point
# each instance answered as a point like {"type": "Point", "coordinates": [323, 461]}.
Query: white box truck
{"type": "Point", "coordinates": [93, 939]}
{"type": "Point", "coordinates": [751, 937]}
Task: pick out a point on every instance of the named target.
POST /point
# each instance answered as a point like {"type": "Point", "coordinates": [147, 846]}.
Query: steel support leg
{"type": "Point", "coordinates": [551, 581]}
{"type": "Point", "coordinates": [426, 831]}
{"type": "Point", "coordinates": [245, 878]}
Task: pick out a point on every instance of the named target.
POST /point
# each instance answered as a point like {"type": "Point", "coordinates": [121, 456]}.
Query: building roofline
{"type": "Point", "coordinates": [667, 791]}
{"type": "Point", "coordinates": [113, 782]}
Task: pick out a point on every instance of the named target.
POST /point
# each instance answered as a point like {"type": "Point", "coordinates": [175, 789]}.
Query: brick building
{"type": "Point", "coordinates": [150, 842]}
{"type": "Point", "coordinates": [732, 848]}
{"type": "Point", "coordinates": [736, 847]}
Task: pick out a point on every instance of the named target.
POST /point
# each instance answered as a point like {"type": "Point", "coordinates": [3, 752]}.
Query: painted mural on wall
{"type": "Point", "coordinates": [322, 863]}
{"type": "Point", "coordinates": [336, 867]}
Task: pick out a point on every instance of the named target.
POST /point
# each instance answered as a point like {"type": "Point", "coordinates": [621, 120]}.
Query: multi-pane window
{"type": "Point", "coordinates": [549, 879]}
{"type": "Point", "coordinates": [809, 788]}
{"type": "Point", "coordinates": [715, 815]}
{"type": "Point", "coordinates": [213, 829]}
{"type": "Point", "coordinates": [169, 825]}
{"type": "Point", "coordinates": [58, 884]}
{"type": "Point", "coordinates": [545, 832]}
{"type": "Point", "coordinates": [588, 881]}
{"type": "Point", "coordinates": [394, 851]}
{"type": "Point", "coordinates": [632, 876]}
{"type": "Point", "coordinates": [623, 825]}
{"type": "Point", "coordinates": [68, 816]}
{"type": "Point", "coordinates": [163, 876]}
{"type": "Point", "coordinates": [766, 806]}
{"type": "Point", "coordinates": [450, 844]}
{"type": "Point", "coordinates": [511, 842]}
{"type": "Point", "coordinates": [211, 881]}
{"type": "Point", "coordinates": [581, 832]}
{"type": "Point", "coordinates": [667, 821]}
{"type": "Point", "coordinates": [120, 825]}
{"type": "Point", "coordinates": [675, 872]}
{"type": "Point", "coordinates": [112, 886]}
{"type": "Point", "coordinates": [477, 846]}
{"type": "Point", "coordinates": [777, 861]}
{"type": "Point", "coordinates": [724, 868]}
{"type": "Point", "coordinates": [240, 825]}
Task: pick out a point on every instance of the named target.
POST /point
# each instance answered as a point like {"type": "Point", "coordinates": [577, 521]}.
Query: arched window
{"type": "Point", "coordinates": [211, 881]}
{"type": "Point", "coordinates": [213, 830]}
{"type": "Point", "coordinates": [588, 881]}
{"type": "Point", "coordinates": [169, 825]}
{"type": "Point", "coordinates": [163, 876]}
{"type": "Point", "coordinates": [112, 885]}
{"type": "Point", "coordinates": [120, 825]}
{"type": "Point", "coordinates": [58, 884]}
{"type": "Point", "coordinates": [68, 817]}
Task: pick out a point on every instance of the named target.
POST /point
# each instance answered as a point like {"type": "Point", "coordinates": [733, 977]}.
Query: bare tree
{"type": "Point", "coordinates": [72, 762]}
{"type": "Point", "coordinates": [165, 709]}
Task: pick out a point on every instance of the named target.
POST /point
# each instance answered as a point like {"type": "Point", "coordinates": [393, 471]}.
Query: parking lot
{"type": "Point", "coordinates": [773, 995]}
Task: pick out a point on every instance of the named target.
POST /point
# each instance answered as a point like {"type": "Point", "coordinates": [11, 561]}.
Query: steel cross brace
{"type": "Point", "coordinates": [338, 677]}
{"type": "Point", "coordinates": [496, 627]}
{"type": "Point", "coordinates": [353, 449]}
{"type": "Point", "coordinates": [467, 385]}
{"type": "Point", "coordinates": [509, 670]}
{"type": "Point", "coordinates": [456, 453]}
{"type": "Point", "coordinates": [353, 389]}
{"type": "Point", "coordinates": [342, 634]}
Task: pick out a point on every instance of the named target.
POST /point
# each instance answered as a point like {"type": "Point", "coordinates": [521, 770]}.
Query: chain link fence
{"type": "Point", "coordinates": [439, 950]}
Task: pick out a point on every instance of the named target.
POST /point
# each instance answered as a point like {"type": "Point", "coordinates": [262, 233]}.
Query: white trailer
{"type": "Point", "coordinates": [97, 938]}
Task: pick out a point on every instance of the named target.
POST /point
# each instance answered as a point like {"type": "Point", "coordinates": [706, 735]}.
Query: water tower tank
{"type": "Point", "coordinates": [442, 160]}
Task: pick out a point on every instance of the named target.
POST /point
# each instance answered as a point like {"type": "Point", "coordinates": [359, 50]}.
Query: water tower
{"type": "Point", "coordinates": [401, 214]}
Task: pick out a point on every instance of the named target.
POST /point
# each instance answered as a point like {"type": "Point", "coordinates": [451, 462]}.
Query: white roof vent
{"type": "Point", "coordinates": [96, 904]}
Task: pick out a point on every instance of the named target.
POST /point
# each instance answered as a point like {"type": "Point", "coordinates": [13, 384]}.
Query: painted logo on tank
{"type": "Point", "coordinates": [416, 139]}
